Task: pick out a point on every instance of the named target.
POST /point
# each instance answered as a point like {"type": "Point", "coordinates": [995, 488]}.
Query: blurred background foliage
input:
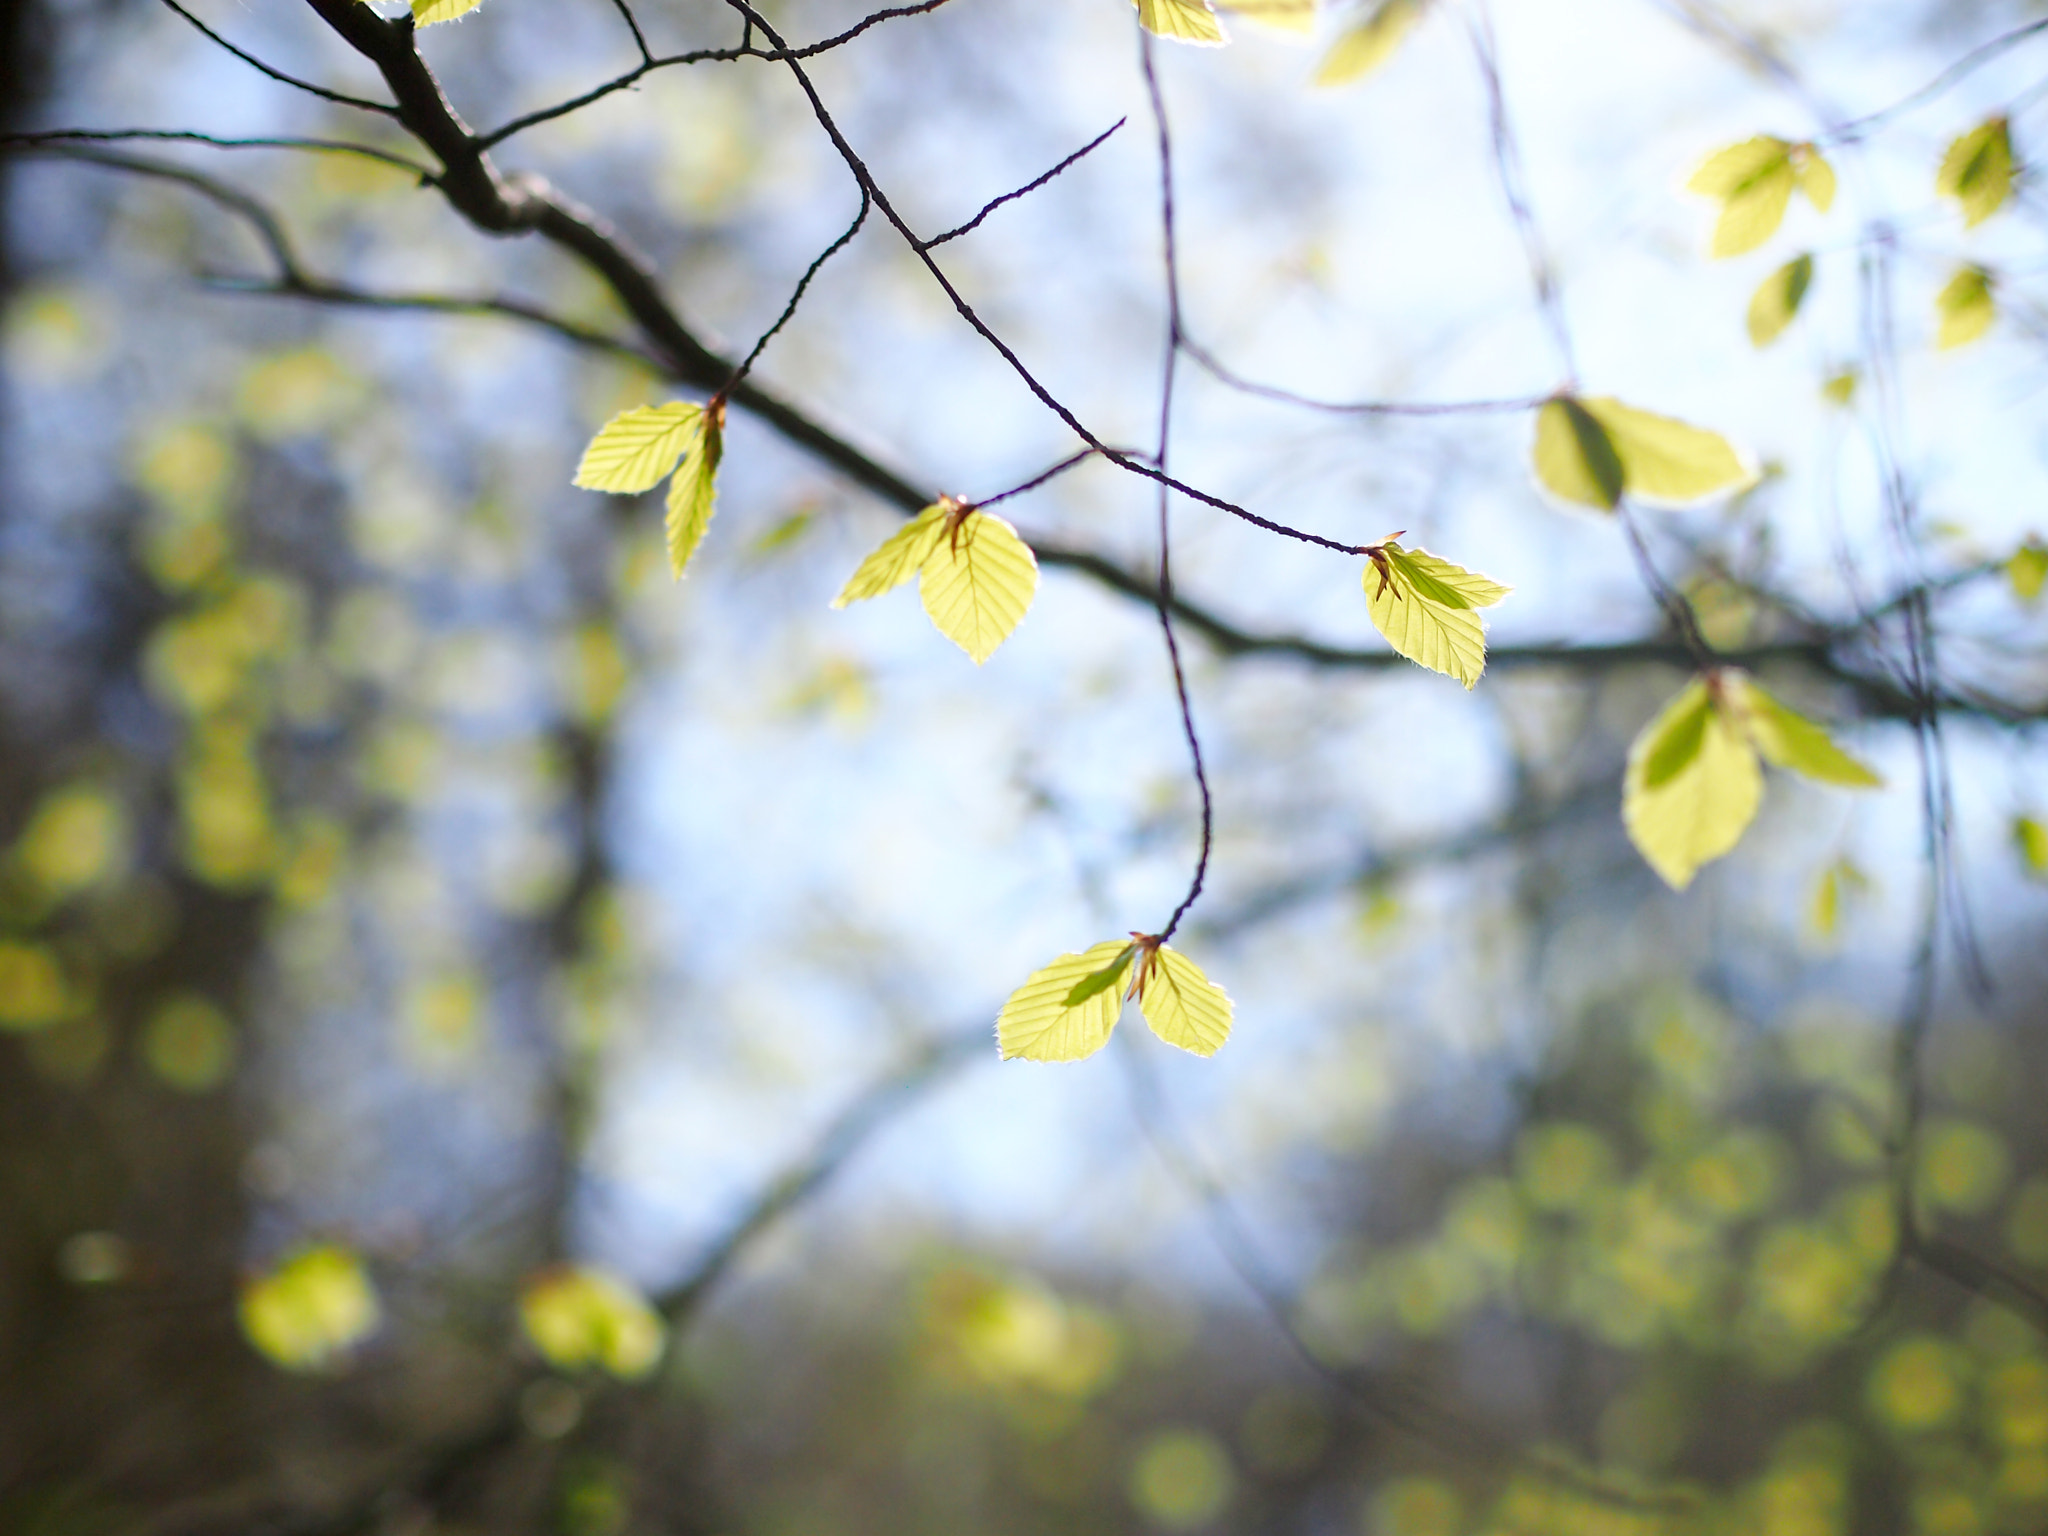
{"type": "Point", "coordinates": [498, 1041]}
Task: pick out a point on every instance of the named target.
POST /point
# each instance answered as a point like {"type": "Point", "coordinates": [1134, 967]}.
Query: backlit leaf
{"type": "Point", "coordinates": [1836, 882]}
{"type": "Point", "coordinates": [2027, 569]}
{"type": "Point", "coordinates": [1039, 1024]}
{"type": "Point", "coordinates": [1363, 48]}
{"type": "Point", "coordinates": [1965, 307]}
{"type": "Point", "coordinates": [897, 559]}
{"type": "Point", "coordinates": [1426, 609]}
{"type": "Point", "coordinates": [1788, 739]}
{"type": "Point", "coordinates": [2030, 838]}
{"type": "Point", "coordinates": [1977, 171]}
{"type": "Point", "coordinates": [310, 1309]}
{"type": "Point", "coordinates": [1184, 1007]}
{"type": "Point", "coordinates": [693, 493]}
{"type": "Point", "coordinates": [1816, 178]}
{"type": "Point", "coordinates": [1574, 458]}
{"type": "Point", "coordinates": [1186, 21]}
{"type": "Point", "coordinates": [1103, 979]}
{"type": "Point", "coordinates": [636, 448]}
{"type": "Point", "coordinates": [1840, 388]}
{"type": "Point", "coordinates": [1777, 301]}
{"type": "Point", "coordinates": [579, 1318]}
{"type": "Point", "coordinates": [1704, 792]}
{"type": "Point", "coordinates": [1727, 171]}
{"type": "Point", "coordinates": [977, 581]}
{"type": "Point", "coordinates": [1752, 215]}
{"type": "Point", "coordinates": [1668, 462]}
{"type": "Point", "coordinates": [426, 12]}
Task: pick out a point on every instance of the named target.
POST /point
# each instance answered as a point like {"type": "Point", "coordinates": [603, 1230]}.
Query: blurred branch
{"type": "Point", "coordinates": [183, 136]}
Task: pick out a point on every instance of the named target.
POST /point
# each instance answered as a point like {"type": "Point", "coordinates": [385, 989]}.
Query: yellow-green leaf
{"type": "Point", "coordinates": [2027, 570]}
{"type": "Point", "coordinates": [1186, 21]}
{"type": "Point", "coordinates": [898, 558]}
{"type": "Point", "coordinates": [1184, 1007]}
{"type": "Point", "coordinates": [636, 448]}
{"type": "Point", "coordinates": [1425, 607]}
{"type": "Point", "coordinates": [977, 581]}
{"type": "Point", "coordinates": [1777, 301]}
{"type": "Point", "coordinates": [1363, 48]}
{"type": "Point", "coordinates": [693, 493]}
{"type": "Point", "coordinates": [579, 1317]}
{"type": "Point", "coordinates": [1727, 171]}
{"type": "Point", "coordinates": [1103, 979]}
{"type": "Point", "coordinates": [1665, 461]}
{"type": "Point", "coordinates": [1752, 215]}
{"type": "Point", "coordinates": [1965, 307]}
{"type": "Point", "coordinates": [1574, 457]}
{"type": "Point", "coordinates": [2030, 838]}
{"type": "Point", "coordinates": [426, 12]}
{"type": "Point", "coordinates": [1840, 388]}
{"type": "Point", "coordinates": [1977, 171]}
{"type": "Point", "coordinates": [309, 1310]}
{"type": "Point", "coordinates": [1816, 177]}
{"type": "Point", "coordinates": [1787, 739]}
{"type": "Point", "coordinates": [1692, 786]}
{"type": "Point", "coordinates": [1038, 1023]}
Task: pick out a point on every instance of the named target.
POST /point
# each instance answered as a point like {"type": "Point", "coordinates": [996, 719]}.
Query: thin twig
{"type": "Point", "coordinates": [339, 98]}
{"type": "Point", "coordinates": [426, 174]}
{"type": "Point", "coordinates": [1028, 187]}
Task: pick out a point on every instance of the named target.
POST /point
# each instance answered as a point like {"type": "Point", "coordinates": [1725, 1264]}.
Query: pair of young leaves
{"type": "Point", "coordinates": [637, 449]}
{"type": "Point", "coordinates": [975, 576]}
{"type": "Point", "coordinates": [1066, 1011]}
{"type": "Point", "coordinates": [1694, 783]}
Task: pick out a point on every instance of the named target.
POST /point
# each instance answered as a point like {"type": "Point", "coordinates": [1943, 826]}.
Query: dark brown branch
{"type": "Point", "coordinates": [649, 64]}
{"type": "Point", "coordinates": [1028, 188]}
{"type": "Point", "coordinates": [339, 98]}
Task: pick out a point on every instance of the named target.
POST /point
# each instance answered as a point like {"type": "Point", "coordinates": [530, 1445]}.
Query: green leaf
{"type": "Point", "coordinates": [1682, 731]}
{"type": "Point", "coordinates": [1425, 608]}
{"type": "Point", "coordinates": [1816, 177]}
{"type": "Point", "coordinates": [978, 579]}
{"type": "Point", "coordinates": [309, 1310]}
{"type": "Point", "coordinates": [635, 449]}
{"type": "Point", "coordinates": [1363, 48]}
{"type": "Point", "coordinates": [426, 12]}
{"type": "Point", "coordinates": [2030, 838]}
{"type": "Point", "coordinates": [1103, 979]}
{"type": "Point", "coordinates": [1777, 301]}
{"type": "Point", "coordinates": [1726, 172]}
{"type": "Point", "coordinates": [1038, 1023]}
{"type": "Point", "coordinates": [580, 1318]}
{"type": "Point", "coordinates": [898, 558]}
{"type": "Point", "coordinates": [1184, 1007]}
{"type": "Point", "coordinates": [1186, 21]}
{"type": "Point", "coordinates": [1751, 216]}
{"type": "Point", "coordinates": [693, 493]}
{"type": "Point", "coordinates": [2027, 570]}
{"type": "Point", "coordinates": [1667, 462]}
{"type": "Point", "coordinates": [1824, 909]}
{"type": "Point", "coordinates": [1574, 458]}
{"type": "Point", "coordinates": [1977, 171]}
{"type": "Point", "coordinates": [1788, 739]}
{"type": "Point", "coordinates": [1965, 308]}
{"type": "Point", "coordinates": [1840, 389]}
{"type": "Point", "coordinates": [1707, 793]}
